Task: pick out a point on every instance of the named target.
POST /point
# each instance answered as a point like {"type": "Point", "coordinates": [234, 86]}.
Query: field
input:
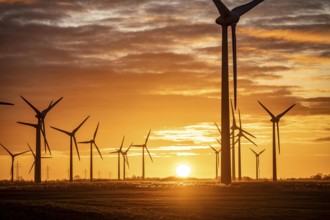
{"type": "Point", "coordinates": [165, 200]}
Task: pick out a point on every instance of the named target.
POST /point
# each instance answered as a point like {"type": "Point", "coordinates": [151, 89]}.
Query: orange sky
{"type": "Point", "coordinates": [136, 65]}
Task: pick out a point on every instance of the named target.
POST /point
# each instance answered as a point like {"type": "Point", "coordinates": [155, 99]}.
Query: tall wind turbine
{"type": "Point", "coordinates": [119, 151]}
{"type": "Point", "coordinates": [6, 103]}
{"type": "Point", "coordinates": [257, 162]}
{"type": "Point", "coordinates": [241, 133]}
{"type": "Point", "coordinates": [40, 129]}
{"type": "Point", "coordinates": [144, 146]}
{"type": "Point", "coordinates": [125, 160]}
{"type": "Point", "coordinates": [34, 156]}
{"type": "Point", "coordinates": [216, 161]}
{"type": "Point", "coordinates": [13, 160]}
{"type": "Point", "coordinates": [228, 18]}
{"type": "Point", "coordinates": [275, 121]}
{"type": "Point", "coordinates": [72, 139]}
{"type": "Point", "coordinates": [92, 142]}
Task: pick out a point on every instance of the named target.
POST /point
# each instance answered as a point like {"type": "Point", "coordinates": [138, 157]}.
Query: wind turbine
{"type": "Point", "coordinates": [257, 162]}
{"type": "Point", "coordinates": [13, 160]}
{"type": "Point", "coordinates": [228, 18]}
{"type": "Point", "coordinates": [6, 103]}
{"type": "Point", "coordinates": [92, 142]}
{"type": "Point", "coordinates": [40, 129]}
{"type": "Point", "coordinates": [216, 160]}
{"type": "Point", "coordinates": [119, 151]}
{"type": "Point", "coordinates": [144, 146]}
{"type": "Point", "coordinates": [34, 156]}
{"type": "Point", "coordinates": [275, 121]}
{"type": "Point", "coordinates": [241, 133]}
{"type": "Point", "coordinates": [125, 160]}
{"type": "Point", "coordinates": [72, 139]}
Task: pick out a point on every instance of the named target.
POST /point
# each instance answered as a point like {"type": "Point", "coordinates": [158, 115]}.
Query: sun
{"type": "Point", "coordinates": [183, 170]}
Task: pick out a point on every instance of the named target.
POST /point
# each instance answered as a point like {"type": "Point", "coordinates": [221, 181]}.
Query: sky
{"type": "Point", "coordinates": [139, 65]}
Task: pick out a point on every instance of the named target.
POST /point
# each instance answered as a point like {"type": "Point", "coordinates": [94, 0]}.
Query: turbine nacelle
{"type": "Point", "coordinates": [233, 18]}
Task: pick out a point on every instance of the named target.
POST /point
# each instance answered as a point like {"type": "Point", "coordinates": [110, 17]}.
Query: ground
{"type": "Point", "coordinates": [165, 200]}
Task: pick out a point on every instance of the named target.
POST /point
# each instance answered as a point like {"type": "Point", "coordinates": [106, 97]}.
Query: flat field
{"type": "Point", "coordinates": [165, 200]}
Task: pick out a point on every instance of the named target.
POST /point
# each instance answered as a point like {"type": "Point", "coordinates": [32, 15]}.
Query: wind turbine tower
{"type": "Point", "coordinates": [144, 146]}
{"type": "Point", "coordinates": [257, 162]}
{"type": "Point", "coordinates": [40, 129]}
{"type": "Point", "coordinates": [275, 121]}
{"type": "Point", "coordinates": [228, 18]}
{"type": "Point", "coordinates": [72, 136]}
{"type": "Point", "coordinates": [92, 142]}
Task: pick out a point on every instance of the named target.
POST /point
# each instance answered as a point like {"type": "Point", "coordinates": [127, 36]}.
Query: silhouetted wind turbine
{"type": "Point", "coordinates": [257, 162]}
{"type": "Point", "coordinates": [119, 151]}
{"type": "Point", "coordinates": [13, 160]}
{"type": "Point", "coordinates": [92, 142]}
{"type": "Point", "coordinates": [34, 156]}
{"type": "Point", "coordinates": [216, 160]}
{"type": "Point", "coordinates": [276, 120]}
{"type": "Point", "coordinates": [72, 139]}
{"type": "Point", "coordinates": [241, 133]}
{"type": "Point", "coordinates": [228, 18]}
{"type": "Point", "coordinates": [125, 160]}
{"type": "Point", "coordinates": [6, 103]}
{"type": "Point", "coordinates": [40, 128]}
{"type": "Point", "coordinates": [144, 146]}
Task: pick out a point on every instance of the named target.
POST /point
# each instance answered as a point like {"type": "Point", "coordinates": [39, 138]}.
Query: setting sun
{"type": "Point", "coordinates": [183, 170]}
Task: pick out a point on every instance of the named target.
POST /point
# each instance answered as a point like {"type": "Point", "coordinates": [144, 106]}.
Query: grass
{"type": "Point", "coordinates": [190, 199]}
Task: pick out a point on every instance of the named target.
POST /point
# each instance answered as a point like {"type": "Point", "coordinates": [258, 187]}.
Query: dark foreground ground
{"type": "Point", "coordinates": [169, 200]}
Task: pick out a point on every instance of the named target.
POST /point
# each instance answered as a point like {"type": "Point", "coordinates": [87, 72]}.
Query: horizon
{"type": "Point", "coordinates": [135, 66]}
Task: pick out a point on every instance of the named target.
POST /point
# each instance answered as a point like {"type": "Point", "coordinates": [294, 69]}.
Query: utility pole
{"type": "Point", "coordinates": [47, 169]}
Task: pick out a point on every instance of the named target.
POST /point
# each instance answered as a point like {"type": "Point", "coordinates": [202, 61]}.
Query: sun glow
{"type": "Point", "coordinates": [183, 170]}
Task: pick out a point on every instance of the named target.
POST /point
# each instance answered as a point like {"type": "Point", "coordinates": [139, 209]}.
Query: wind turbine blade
{"type": "Point", "coordinates": [65, 132]}
{"type": "Point", "coordinates": [248, 133]}
{"type": "Point", "coordinates": [213, 148]}
{"type": "Point", "coordinates": [31, 150]}
{"type": "Point", "coordinates": [129, 148]}
{"type": "Point", "coordinates": [84, 142]}
{"type": "Point", "coordinates": [6, 103]}
{"type": "Point", "coordinates": [29, 124]}
{"type": "Point", "coordinates": [43, 131]}
{"type": "Point", "coordinates": [239, 118]}
{"type": "Point", "coordinates": [126, 159]}
{"type": "Point", "coordinates": [217, 127]}
{"type": "Point", "coordinates": [76, 145]}
{"type": "Point", "coordinates": [98, 150]}
{"type": "Point", "coordinates": [233, 114]}
{"type": "Point", "coordinates": [262, 151]}
{"type": "Point", "coordinates": [240, 10]}
{"type": "Point", "coordinates": [32, 166]}
{"type": "Point", "coordinates": [253, 151]}
{"type": "Point", "coordinates": [97, 128]}
{"type": "Point", "coordinates": [21, 153]}
{"type": "Point", "coordinates": [271, 114]}
{"type": "Point", "coordinates": [147, 137]}
{"type": "Point", "coordinates": [282, 114]}
{"type": "Point", "coordinates": [34, 108]}
{"type": "Point", "coordinates": [219, 141]}
{"type": "Point", "coordinates": [149, 154]}
{"type": "Point", "coordinates": [249, 140]}
{"type": "Point", "coordinates": [122, 143]}
{"type": "Point", "coordinates": [52, 105]}
{"type": "Point", "coordinates": [223, 10]}
{"type": "Point", "coordinates": [233, 32]}
{"type": "Point", "coordinates": [77, 128]}
{"type": "Point", "coordinates": [7, 150]}
{"type": "Point", "coordinates": [278, 138]}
